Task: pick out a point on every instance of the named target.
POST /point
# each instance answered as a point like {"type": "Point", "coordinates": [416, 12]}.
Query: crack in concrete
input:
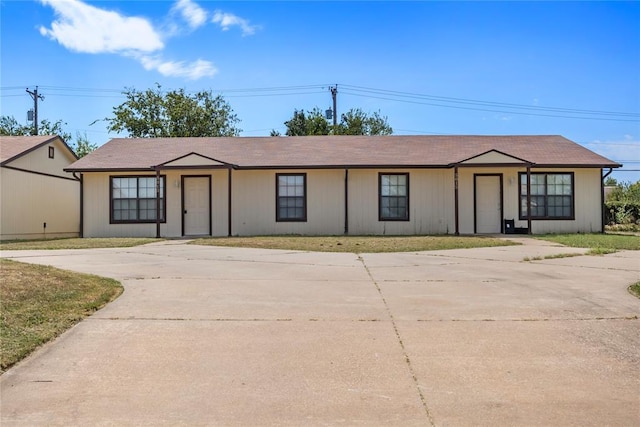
{"type": "Point", "coordinates": [404, 350]}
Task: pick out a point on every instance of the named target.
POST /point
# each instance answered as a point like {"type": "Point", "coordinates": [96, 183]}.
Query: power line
{"type": "Point", "coordinates": [487, 109]}
{"type": "Point", "coordinates": [486, 103]}
{"type": "Point", "coordinates": [375, 93]}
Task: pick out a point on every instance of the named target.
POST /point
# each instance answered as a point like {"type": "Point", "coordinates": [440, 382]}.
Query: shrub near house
{"type": "Point", "coordinates": [623, 204]}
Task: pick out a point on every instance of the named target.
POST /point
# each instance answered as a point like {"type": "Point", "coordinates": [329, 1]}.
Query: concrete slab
{"type": "Point", "coordinates": [215, 373]}
{"type": "Point", "coordinates": [207, 299]}
{"type": "Point", "coordinates": [233, 336]}
{"type": "Point", "coordinates": [537, 373]}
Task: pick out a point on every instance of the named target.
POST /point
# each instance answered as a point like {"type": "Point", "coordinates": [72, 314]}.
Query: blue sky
{"type": "Point", "coordinates": [568, 68]}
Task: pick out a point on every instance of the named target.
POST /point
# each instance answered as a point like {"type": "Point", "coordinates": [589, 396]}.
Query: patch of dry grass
{"type": "Point", "coordinates": [599, 243]}
{"type": "Point", "coordinates": [38, 303]}
{"type": "Point", "coordinates": [75, 243]}
{"type": "Point", "coordinates": [356, 244]}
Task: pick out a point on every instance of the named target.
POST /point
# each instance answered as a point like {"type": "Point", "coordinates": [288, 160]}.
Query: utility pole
{"type": "Point", "coordinates": [334, 95]}
{"type": "Point", "coordinates": [35, 96]}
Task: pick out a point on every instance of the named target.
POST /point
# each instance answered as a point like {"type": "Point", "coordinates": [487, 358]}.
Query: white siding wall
{"type": "Point", "coordinates": [254, 203]}
{"type": "Point", "coordinates": [30, 200]}
{"type": "Point", "coordinates": [588, 211]}
{"type": "Point", "coordinates": [588, 205]}
{"type": "Point", "coordinates": [96, 205]}
{"type": "Point", "coordinates": [466, 195]}
{"type": "Point", "coordinates": [38, 160]}
{"type": "Point", "coordinates": [431, 202]}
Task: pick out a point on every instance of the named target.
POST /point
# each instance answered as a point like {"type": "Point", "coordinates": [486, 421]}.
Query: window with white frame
{"type": "Point", "coordinates": [291, 197]}
{"type": "Point", "coordinates": [393, 197]}
{"type": "Point", "coordinates": [133, 199]}
{"type": "Point", "coordinates": [552, 195]}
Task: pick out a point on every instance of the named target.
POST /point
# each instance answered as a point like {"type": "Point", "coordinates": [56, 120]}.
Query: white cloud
{"type": "Point", "coordinates": [88, 29]}
{"type": "Point", "coordinates": [191, 12]}
{"type": "Point", "coordinates": [192, 71]}
{"type": "Point", "coordinates": [84, 28]}
{"type": "Point", "coordinates": [228, 20]}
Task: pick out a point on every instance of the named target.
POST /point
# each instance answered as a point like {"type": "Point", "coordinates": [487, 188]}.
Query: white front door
{"type": "Point", "coordinates": [488, 204]}
{"type": "Point", "coordinates": [196, 205]}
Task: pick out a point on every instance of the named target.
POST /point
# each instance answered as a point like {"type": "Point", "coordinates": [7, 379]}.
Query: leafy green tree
{"type": "Point", "coordinates": [10, 126]}
{"type": "Point", "coordinates": [54, 128]}
{"type": "Point", "coordinates": [83, 146]}
{"type": "Point", "coordinates": [611, 181]}
{"type": "Point", "coordinates": [310, 123]}
{"type": "Point", "coordinates": [357, 122]}
{"type": "Point", "coordinates": [353, 122]}
{"type": "Point", "coordinates": [153, 113]}
{"type": "Point", "coordinates": [625, 192]}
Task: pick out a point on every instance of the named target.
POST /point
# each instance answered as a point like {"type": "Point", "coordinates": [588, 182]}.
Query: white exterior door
{"type": "Point", "coordinates": [196, 206]}
{"type": "Point", "coordinates": [488, 204]}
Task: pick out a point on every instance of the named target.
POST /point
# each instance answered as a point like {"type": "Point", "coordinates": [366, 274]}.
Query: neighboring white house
{"type": "Point", "coordinates": [331, 185]}
{"type": "Point", "coordinates": [38, 199]}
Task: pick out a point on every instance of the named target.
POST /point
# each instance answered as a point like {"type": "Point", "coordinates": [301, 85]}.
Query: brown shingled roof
{"type": "Point", "coordinates": [338, 151]}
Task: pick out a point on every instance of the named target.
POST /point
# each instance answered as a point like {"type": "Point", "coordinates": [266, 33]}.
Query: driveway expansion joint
{"type": "Point", "coordinates": [407, 360]}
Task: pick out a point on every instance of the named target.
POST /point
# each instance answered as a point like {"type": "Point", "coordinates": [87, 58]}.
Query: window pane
{"type": "Point", "coordinates": [134, 198]}
{"type": "Point", "coordinates": [147, 209]}
{"type": "Point", "coordinates": [394, 198]}
{"type": "Point", "coordinates": [523, 206]}
{"type": "Point", "coordinates": [538, 208]}
{"type": "Point", "coordinates": [129, 187]}
{"type": "Point", "coordinates": [291, 198]}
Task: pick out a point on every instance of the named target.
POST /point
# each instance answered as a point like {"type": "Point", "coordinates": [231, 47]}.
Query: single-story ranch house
{"type": "Point", "coordinates": [331, 185]}
{"type": "Point", "coordinates": [38, 198]}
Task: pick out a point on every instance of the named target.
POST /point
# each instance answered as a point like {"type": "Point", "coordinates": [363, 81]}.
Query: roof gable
{"type": "Point", "coordinates": [492, 157]}
{"type": "Point", "coordinates": [14, 147]}
{"type": "Point", "coordinates": [193, 160]}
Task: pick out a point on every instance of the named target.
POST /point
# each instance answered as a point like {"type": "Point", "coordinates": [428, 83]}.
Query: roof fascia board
{"type": "Point", "coordinates": [38, 173]}
{"type": "Point", "coordinates": [85, 170]}
{"type": "Point", "coordinates": [577, 166]}
{"type": "Point", "coordinates": [342, 167]}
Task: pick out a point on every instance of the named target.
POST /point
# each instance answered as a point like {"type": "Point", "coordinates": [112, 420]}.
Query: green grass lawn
{"type": "Point", "coordinates": [356, 244]}
{"type": "Point", "coordinates": [38, 303]}
{"type": "Point", "coordinates": [599, 243]}
{"type": "Point", "coordinates": [635, 289]}
{"type": "Point", "coordinates": [75, 243]}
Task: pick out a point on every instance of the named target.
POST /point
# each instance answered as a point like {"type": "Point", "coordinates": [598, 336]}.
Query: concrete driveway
{"type": "Point", "coordinates": [229, 336]}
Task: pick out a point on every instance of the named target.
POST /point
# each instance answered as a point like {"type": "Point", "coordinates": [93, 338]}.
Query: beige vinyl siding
{"type": "Point", "coordinates": [587, 210]}
{"type": "Point", "coordinates": [431, 201]}
{"type": "Point", "coordinates": [38, 160]}
{"type": "Point", "coordinates": [510, 201]}
{"type": "Point", "coordinates": [254, 203]}
{"type": "Point", "coordinates": [97, 205]}
{"type": "Point", "coordinates": [588, 205]}
{"type": "Point", "coordinates": [29, 200]}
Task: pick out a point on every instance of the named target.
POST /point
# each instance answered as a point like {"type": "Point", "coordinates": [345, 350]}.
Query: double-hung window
{"type": "Point", "coordinates": [133, 199]}
{"type": "Point", "coordinates": [394, 197]}
{"type": "Point", "coordinates": [552, 196]}
{"type": "Point", "coordinates": [291, 197]}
